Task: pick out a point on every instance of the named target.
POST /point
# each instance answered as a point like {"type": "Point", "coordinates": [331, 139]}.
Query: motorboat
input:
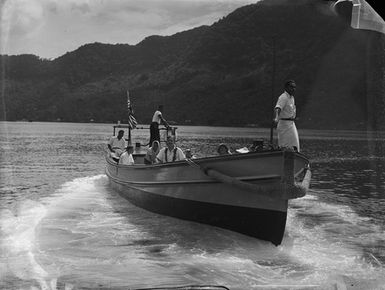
{"type": "Point", "coordinates": [243, 192]}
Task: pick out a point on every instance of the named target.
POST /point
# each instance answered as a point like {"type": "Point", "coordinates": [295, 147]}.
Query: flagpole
{"type": "Point", "coordinates": [272, 93]}
{"type": "Point", "coordinates": [131, 121]}
{"type": "Point", "coordinates": [128, 117]}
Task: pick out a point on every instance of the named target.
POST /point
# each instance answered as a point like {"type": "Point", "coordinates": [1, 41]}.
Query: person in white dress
{"type": "Point", "coordinates": [152, 152]}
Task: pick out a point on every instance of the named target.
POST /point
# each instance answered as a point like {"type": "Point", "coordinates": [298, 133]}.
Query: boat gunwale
{"type": "Point", "coordinates": [203, 160]}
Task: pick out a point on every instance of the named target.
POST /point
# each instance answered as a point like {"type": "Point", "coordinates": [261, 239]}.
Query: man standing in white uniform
{"type": "Point", "coordinates": [285, 113]}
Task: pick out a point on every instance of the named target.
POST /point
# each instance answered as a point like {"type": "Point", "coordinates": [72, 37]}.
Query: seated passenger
{"type": "Point", "coordinates": [126, 158]}
{"type": "Point", "coordinates": [223, 149]}
{"type": "Point", "coordinates": [170, 153]}
{"type": "Point", "coordinates": [258, 145]}
{"type": "Point", "coordinates": [189, 154]}
{"type": "Point", "coordinates": [117, 144]}
{"type": "Point", "coordinates": [150, 157]}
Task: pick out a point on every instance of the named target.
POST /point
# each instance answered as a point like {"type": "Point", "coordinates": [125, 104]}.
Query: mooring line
{"type": "Point", "coordinates": [375, 259]}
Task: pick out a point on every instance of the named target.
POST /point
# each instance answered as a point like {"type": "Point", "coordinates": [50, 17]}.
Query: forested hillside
{"type": "Point", "coordinates": [228, 73]}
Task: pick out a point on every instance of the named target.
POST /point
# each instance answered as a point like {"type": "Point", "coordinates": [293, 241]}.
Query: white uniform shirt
{"type": "Point", "coordinates": [179, 155]}
{"type": "Point", "coordinates": [287, 105]}
{"type": "Point", "coordinates": [157, 117]}
{"type": "Point", "coordinates": [287, 131]}
{"type": "Point", "coordinates": [126, 159]}
{"type": "Point", "coordinates": [115, 143]}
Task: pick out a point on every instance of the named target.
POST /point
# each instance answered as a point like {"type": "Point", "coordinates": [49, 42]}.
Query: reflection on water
{"type": "Point", "coordinates": [62, 227]}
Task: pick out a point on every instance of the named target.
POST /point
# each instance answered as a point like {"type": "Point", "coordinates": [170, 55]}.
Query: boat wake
{"type": "Point", "coordinates": [85, 235]}
{"type": "Point", "coordinates": [18, 245]}
{"type": "Point", "coordinates": [19, 228]}
{"type": "Point", "coordinates": [334, 241]}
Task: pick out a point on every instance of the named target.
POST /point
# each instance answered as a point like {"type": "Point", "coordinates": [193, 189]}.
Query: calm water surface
{"type": "Point", "coordinates": [62, 227]}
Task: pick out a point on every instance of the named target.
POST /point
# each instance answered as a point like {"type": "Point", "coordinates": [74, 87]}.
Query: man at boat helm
{"type": "Point", "coordinates": [157, 119]}
{"type": "Point", "coordinates": [170, 153]}
{"type": "Point", "coordinates": [285, 113]}
{"type": "Point", "coordinates": [117, 144]}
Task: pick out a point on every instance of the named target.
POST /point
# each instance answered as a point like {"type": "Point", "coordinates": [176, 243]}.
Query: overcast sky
{"type": "Point", "coordinates": [50, 28]}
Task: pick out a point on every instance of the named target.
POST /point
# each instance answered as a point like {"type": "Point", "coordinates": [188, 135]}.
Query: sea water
{"type": "Point", "coordinates": [63, 227]}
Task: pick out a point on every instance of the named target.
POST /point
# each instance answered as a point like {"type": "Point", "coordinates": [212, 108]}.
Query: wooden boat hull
{"type": "Point", "coordinates": [183, 190]}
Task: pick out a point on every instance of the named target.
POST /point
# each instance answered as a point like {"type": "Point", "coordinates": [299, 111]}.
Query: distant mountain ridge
{"type": "Point", "coordinates": [213, 75]}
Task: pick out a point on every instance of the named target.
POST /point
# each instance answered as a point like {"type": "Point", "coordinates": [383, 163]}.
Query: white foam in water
{"type": "Point", "coordinates": [329, 245]}
{"type": "Point", "coordinates": [79, 188]}
{"type": "Point", "coordinates": [18, 231]}
{"type": "Point", "coordinates": [17, 242]}
{"type": "Point", "coordinates": [309, 258]}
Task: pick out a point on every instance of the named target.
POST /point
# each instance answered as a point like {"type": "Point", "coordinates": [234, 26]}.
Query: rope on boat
{"type": "Point", "coordinates": [290, 188]}
{"type": "Point", "coordinates": [192, 163]}
{"type": "Point", "coordinates": [189, 287]}
{"type": "Point", "coordinates": [301, 188]}
{"type": "Point", "coordinates": [286, 189]}
{"type": "Point", "coordinates": [267, 189]}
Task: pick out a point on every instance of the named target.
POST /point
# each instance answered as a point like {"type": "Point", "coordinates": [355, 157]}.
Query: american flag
{"type": "Point", "coordinates": [131, 119]}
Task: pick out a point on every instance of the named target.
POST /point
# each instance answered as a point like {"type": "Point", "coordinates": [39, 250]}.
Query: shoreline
{"type": "Point", "coordinates": [242, 132]}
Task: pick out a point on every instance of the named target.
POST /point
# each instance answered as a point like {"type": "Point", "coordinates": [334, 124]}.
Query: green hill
{"type": "Point", "coordinates": [221, 74]}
